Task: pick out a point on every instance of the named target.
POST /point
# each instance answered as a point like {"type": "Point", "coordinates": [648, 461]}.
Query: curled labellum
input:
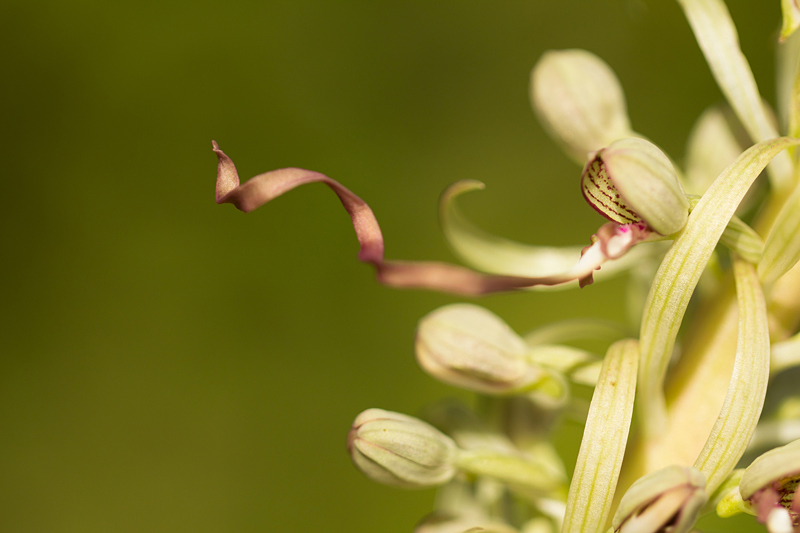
{"type": "Point", "coordinates": [431, 275]}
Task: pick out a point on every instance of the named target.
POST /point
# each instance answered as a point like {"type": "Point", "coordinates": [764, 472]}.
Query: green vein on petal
{"type": "Point", "coordinates": [603, 446]}
{"type": "Point", "coordinates": [716, 34]}
{"type": "Point", "coordinates": [680, 271]}
{"type": "Point", "coordinates": [497, 255]}
{"type": "Point", "coordinates": [745, 398]}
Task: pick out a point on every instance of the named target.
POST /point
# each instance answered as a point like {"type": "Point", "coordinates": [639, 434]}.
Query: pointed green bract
{"type": "Point", "coordinates": [680, 271]}
{"type": "Point", "coordinates": [719, 41]}
{"type": "Point", "coordinates": [739, 414]}
{"type": "Point", "coordinates": [604, 439]}
{"type": "Point", "coordinates": [712, 146]}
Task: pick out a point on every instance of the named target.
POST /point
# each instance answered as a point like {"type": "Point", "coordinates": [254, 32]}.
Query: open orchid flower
{"type": "Point", "coordinates": [610, 243]}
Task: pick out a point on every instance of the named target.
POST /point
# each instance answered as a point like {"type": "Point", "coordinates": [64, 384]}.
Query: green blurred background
{"type": "Point", "coordinates": [173, 365]}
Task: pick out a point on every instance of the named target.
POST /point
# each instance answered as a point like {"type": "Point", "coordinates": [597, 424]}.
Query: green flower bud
{"type": "Point", "coordinates": [668, 500]}
{"type": "Point", "coordinates": [400, 450]}
{"type": "Point", "coordinates": [579, 101]}
{"type": "Point", "coordinates": [467, 346]}
{"type": "Point", "coordinates": [632, 181]}
{"type": "Point", "coordinates": [771, 486]}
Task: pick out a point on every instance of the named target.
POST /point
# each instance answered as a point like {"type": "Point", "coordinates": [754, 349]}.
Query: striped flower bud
{"type": "Point", "coordinates": [468, 346]}
{"type": "Point", "coordinates": [632, 181]}
{"type": "Point", "coordinates": [400, 450]}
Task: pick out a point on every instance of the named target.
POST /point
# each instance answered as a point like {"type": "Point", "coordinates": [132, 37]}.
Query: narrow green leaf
{"type": "Point", "coordinates": [739, 414]}
{"type": "Point", "coordinates": [717, 37]}
{"type": "Point", "coordinates": [603, 446]}
{"type": "Point", "coordinates": [680, 271]}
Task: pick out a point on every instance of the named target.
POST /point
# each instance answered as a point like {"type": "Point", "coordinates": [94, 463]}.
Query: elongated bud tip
{"type": "Point", "coordinates": [579, 101]}
{"type": "Point", "coordinates": [400, 450]}
{"type": "Point", "coordinates": [227, 176]}
{"type": "Point", "coordinates": [631, 180]}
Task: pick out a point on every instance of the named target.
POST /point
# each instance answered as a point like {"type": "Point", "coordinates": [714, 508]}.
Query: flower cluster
{"type": "Point", "coordinates": [735, 254]}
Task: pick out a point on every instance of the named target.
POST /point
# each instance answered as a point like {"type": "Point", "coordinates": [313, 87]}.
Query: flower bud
{"type": "Point", "coordinates": [771, 485]}
{"type": "Point", "coordinates": [579, 101]}
{"type": "Point", "coordinates": [467, 346]}
{"type": "Point", "coordinates": [400, 450]}
{"type": "Point", "coordinates": [666, 500]}
{"type": "Point", "coordinates": [631, 181]}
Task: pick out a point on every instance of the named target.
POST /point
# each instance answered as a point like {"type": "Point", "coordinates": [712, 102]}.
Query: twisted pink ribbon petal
{"type": "Point", "coordinates": [431, 275]}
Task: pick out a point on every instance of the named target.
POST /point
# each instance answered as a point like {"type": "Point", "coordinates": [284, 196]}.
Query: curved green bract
{"type": "Point", "coordinates": [680, 271]}
{"type": "Point", "coordinates": [713, 27]}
